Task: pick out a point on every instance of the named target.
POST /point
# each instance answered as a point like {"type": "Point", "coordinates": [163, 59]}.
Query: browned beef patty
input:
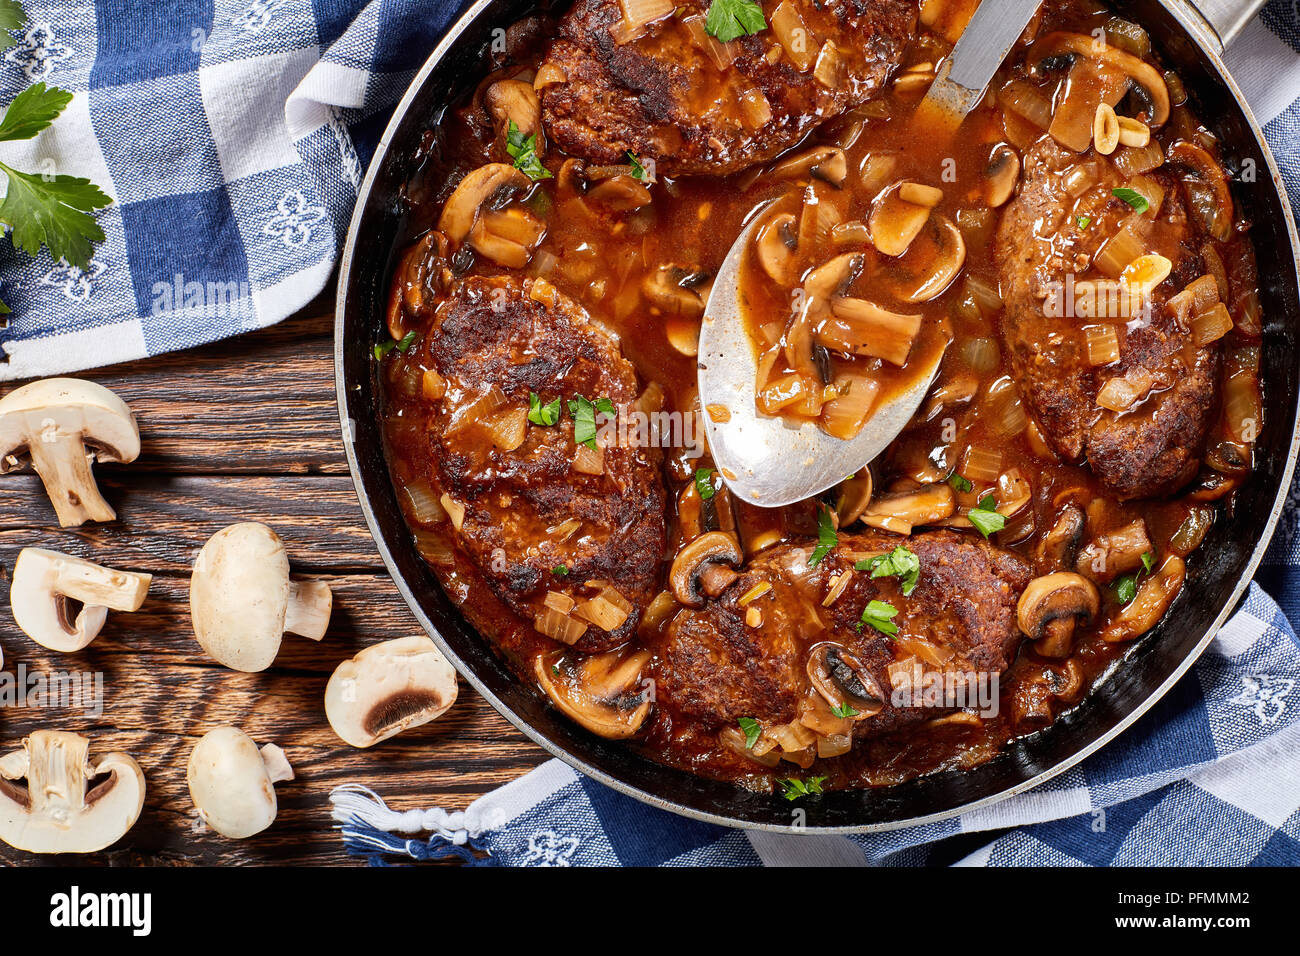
{"type": "Point", "coordinates": [664, 95]}
{"type": "Point", "coordinates": [718, 669]}
{"type": "Point", "coordinates": [528, 512]}
{"type": "Point", "coordinates": [1155, 447]}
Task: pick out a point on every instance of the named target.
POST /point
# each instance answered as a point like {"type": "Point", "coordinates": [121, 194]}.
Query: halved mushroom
{"type": "Point", "coordinates": [704, 568]}
{"type": "Point", "coordinates": [1059, 548]}
{"type": "Point", "coordinates": [388, 688]}
{"type": "Point", "coordinates": [842, 679]}
{"type": "Point", "coordinates": [1001, 175]}
{"type": "Point", "coordinates": [1107, 556]}
{"type": "Point", "coordinates": [777, 241]}
{"type": "Point", "coordinates": [45, 585]}
{"type": "Point", "coordinates": [61, 425]}
{"type": "Point", "coordinates": [894, 223]}
{"type": "Point", "coordinates": [232, 783]}
{"type": "Point", "coordinates": [1052, 605]}
{"type": "Point", "coordinates": [1207, 187]}
{"type": "Point", "coordinates": [827, 163]}
{"type": "Point", "coordinates": [930, 264]}
{"type": "Point", "coordinates": [620, 193]}
{"type": "Point", "coordinates": [674, 289]}
{"type": "Point", "coordinates": [697, 515]}
{"type": "Point", "coordinates": [1055, 49]}
{"type": "Point", "coordinates": [854, 497]}
{"type": "Point", "coordinates": [242, 600]}
{"type": "Point", "coordinates": [54, 812]}
{"type": "Point", "coordinates": [860, 327]}
{"type": "Point", "coordinates": [488, 186]}
{"type": "Point", "coordinates": [507, 236]}
{"type": "Point", "coordinates": [602, 692]}
{"type": "Point", "coordinates": [516, 101]}
{"type": "Point", "coordinates": [929, 504]}
{"type": "Point", "coordinates": [1154, 595]}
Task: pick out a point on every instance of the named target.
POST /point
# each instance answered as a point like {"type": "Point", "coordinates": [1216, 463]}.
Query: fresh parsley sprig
{"type": "Point", "coordinates": [523, 150]}
{"type": "Point", "coordinates": [877, 614]}
{"type": "Point", "coordinates": [985, 518]}
{"type": "Point", "coordinates": [540, 414]}
{"type": "Point", "coordinates": [792, 789]}
{"type": "Point", "coordinates": [729, 20]}
{"type": "Point", "coordinates": [827, 536]}
{"type": "Point", "coordinates": [900, 563]}
{"type": "Point", "coordinates": [583, 413]}
{"type": "Point", "coordinates": [704, 483]}
{"type": "Point", "coordinates": [752, 730]}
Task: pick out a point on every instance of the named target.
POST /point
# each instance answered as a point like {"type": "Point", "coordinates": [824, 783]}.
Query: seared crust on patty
{"type": "Point", "coordinates": [663, 95]}
{"type": "Point", "coordinates": [527, 510]}
{"type": "Point", "coordinates": [718, 669]}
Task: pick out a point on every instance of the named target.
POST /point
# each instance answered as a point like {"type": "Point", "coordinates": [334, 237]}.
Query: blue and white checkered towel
{"type": "Point", "coordinates": [232, 136]}
{"type": "Point", "coordinates": [1210, 776]}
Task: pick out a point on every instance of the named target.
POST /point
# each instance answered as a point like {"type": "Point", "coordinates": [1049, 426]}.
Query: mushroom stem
{"type": "Point", "coordinates": [278, 769]}
{"type": "Point", "coordinates": [308, 614]}
{"type": "Point", "coordinates": [63, 464]}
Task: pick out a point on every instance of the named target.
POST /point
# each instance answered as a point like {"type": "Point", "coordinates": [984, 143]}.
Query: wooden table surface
{"type": "Point", "coordinates": [244, 430]}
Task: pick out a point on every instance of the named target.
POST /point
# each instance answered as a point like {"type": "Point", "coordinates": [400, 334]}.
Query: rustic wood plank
{"type": "Point", "coordinates": [242, 430]}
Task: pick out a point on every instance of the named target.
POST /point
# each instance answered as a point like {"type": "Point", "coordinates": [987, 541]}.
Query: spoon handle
{"type": "Point", "coordinates": [966, 73]}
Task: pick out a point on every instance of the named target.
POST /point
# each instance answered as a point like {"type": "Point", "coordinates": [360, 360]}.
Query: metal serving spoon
{"type": "Point", "coordinates": [769, 461]}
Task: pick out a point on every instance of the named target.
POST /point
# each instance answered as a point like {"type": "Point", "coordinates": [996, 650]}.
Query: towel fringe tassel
{"type": "Point", "coordinates": [372, 829]}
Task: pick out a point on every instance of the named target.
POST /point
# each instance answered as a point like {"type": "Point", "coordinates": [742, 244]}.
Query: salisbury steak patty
{"type": "Point", "coordinates": [718, 669]}
{"type": "Point", "coordinates": [670, 93]}
{"type": "Point", "coordinates": [533, 523]}
{"type": "Point", "coordinates": [1048, 236]}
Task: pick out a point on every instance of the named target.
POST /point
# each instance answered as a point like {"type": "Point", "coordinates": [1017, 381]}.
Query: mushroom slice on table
{"type": "Point", "coordinates": [45, 583]}
{"type": "Point", "coordinates": [602, 692]}
{"type": "Point", "coordinates": [242, 600]}
{"type": "Point", "coordinates": [60, 424]}
{"type": "Point", "coordinates": [55, 813]}
{"type": "Point", "coordinates": [232, 783]}
{"type": "Point", "coordinates": [388, 688]}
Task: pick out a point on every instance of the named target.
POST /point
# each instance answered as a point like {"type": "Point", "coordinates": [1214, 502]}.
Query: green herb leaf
{"type": "Point", "coordinates": [11, 18]}
{"type": "Point", "coordinates": [638, 171]}
{"type": "Point", "coordinates": [844, 710]}
{"type": "Point", "coordinates": [523, 150]}
{"type": "Point", "coordinates": [704, 483]}
{"type": "Point", "coordinates": [985, 518]}
{"type": "Point", "coordinates": [32, 110]}
{"type": "Point", "coordinates": [560, 571]}
{"type": "Point", "coordinates": [959, 483]}
{"type": "Point", "coordinates": [878, 615]}
{"type": "Point", "coordinates": [54, 213]}
{"type": "Point", "coordinates": [383, 348]}
{"type": "Point", "coordinates": [407, 341]}
{"type": "Point", "coordinates": [4, 309]}
{"type": "Point", "coordinates": [752, 730]}
{"type": "Point", "coordinates": [730, 19]}
{"type": "Point", "coordinates": [827, 538]}
{"type": "Point", "coordinates": [540, 414]}
{"type": "Point", "coordinates": [793, 789]}
{"type": "Point", "coordinates": [1126, 588]}
{"type": "Point", "coordinates": [1149, 561]}
{"type": "Point", "coordinates": [899, 563]}
{"type": "Point", "coordinates": [1084, 221]}
{"type": "Point", "coordinates": [583, 413]}
{"type": "Point", "coordinates": [1133, 198]}
{"type": "Point", "coordinates": [605, 406]}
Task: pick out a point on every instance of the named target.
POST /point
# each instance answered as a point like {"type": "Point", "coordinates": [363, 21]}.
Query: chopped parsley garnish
{"type": "Point", "coordinates": [1126, 588]}
{"type": "Point", "coordinates": [959, 483]}
{"type": "Point", "coordinates": [878, 615]}
{"type": "Point", "coordinates": [584, 418]}
{"type": "Point", "coordinates": [1149, 561]}
{"type": "Point", "coordinates": [11, 18]}
{"type": "Point", "coordinates": [844, 710]}
{"type": "Point", "coordinates": [540, 414]}
{"type": "Point", "coordinates": [985, 518]}
{"type": "Point", "coordinates": [383, 348]}
{"type": "Point", "coordinates": [1133, 198]}
{"type": "Point", "coordinates": [560, 570]}
{"type": "Point", "coordinates": [793, 789]}
{"type": "Point", "coordinates": [752, 730]}
{"type": "Point", "coordinates": [638, 171]}
{"type": "Point", "coordinates": [899, 563]}
{"type": "Point", "coordinates": [523, 150]}
{"type": "Point", "coordinates": [827, 538]}
{"type": "Point", "coordinates": [704, 483]}
{"type": "Point", "coordinates": [1084, 221]}
{"type": "Point", "coordinates": [731, 19]}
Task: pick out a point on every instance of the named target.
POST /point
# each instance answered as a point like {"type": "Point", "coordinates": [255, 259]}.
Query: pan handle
{"type": "Point", "coordinates": [1226, 18]}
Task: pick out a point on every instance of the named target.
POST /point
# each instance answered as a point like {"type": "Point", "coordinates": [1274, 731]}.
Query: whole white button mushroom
{"type": "Point", "coordinates": [46, 582]}
{"type": "Point", "coordinates": [55, 814]}
{"type": "Point", "coordinates": [59, 424]}
{"type": "Point", "coordinates": [388, 688]}
{"type": "Point", "coordinates": [232, 783]}
{"type": "Point", "coordinates": [242, 600]}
